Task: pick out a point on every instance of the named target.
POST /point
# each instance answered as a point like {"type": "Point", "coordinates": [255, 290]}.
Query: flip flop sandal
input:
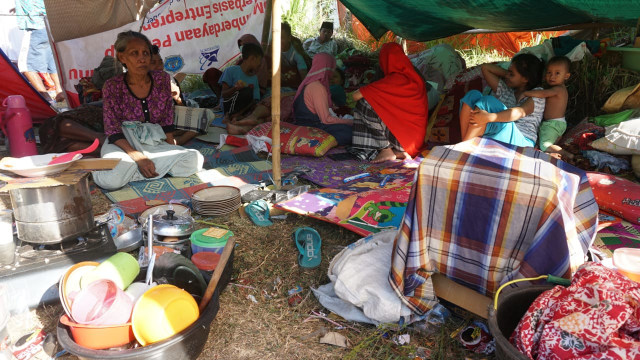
{"type": "Point", "coordinates": [309, 243]}
{"type": "Point", "coordinates": [258, 212]}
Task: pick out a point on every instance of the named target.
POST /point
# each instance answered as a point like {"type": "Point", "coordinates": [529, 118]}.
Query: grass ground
{"type": "Point", "coordinates": [265, 268]}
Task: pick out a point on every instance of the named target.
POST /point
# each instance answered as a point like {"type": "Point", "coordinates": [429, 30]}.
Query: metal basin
{"type": "Point", "coordinates": [130, 240]}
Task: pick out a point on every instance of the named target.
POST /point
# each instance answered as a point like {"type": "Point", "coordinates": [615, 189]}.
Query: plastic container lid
{"type": "Point", "coordinates": [216, 237]}
{"type": "Point", "coordinates": [15, 101]}
{"type": "Point", "coordinates": [627, 260]}
{"type": "Point", "coordinates": [206, 260]}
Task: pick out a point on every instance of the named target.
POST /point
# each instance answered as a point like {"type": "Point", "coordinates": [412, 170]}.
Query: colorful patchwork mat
{"type": "Point", "coordinates": [622, 234]}
{"type": "Point", "coordinates": [361, 206]}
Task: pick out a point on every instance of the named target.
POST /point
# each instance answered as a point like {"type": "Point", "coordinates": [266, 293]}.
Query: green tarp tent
{"type": "Point", "coordinates": [423, 20]}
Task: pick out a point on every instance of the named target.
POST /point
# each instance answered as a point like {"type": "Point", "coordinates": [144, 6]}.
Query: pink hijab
{"type": "Point", "coordinates": [321, 70]}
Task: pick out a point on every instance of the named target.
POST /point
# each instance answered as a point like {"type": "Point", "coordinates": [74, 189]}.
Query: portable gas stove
{"type": "Point", "coordinates": [37, 268]}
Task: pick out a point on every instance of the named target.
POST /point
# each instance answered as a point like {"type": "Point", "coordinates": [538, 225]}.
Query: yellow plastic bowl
{"type": "Point", "coordinates": [162, 312]}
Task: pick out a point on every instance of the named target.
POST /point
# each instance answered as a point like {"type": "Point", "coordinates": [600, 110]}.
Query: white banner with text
{"type": "Point", "coordinates": [192, 35]}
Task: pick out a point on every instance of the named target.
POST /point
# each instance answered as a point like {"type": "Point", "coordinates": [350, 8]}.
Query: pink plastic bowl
{"type": "Point", "coordinates": [102, 303]}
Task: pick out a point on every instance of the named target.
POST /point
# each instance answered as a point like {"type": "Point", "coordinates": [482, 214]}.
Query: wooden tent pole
{"type": "Point", "coordinates": [266, 26]}
{"type": "Point", "coordinates": [275, 90]}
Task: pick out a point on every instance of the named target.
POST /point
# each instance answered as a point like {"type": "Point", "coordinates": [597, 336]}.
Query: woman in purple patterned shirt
{"type": "Point", "coordinates": [141, 97]}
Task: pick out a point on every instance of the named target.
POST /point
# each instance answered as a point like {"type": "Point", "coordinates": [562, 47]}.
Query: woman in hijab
{"type": "Point", "coordinates": [390, 118]}
{"type": "Point", "coordinates": [312, 103]}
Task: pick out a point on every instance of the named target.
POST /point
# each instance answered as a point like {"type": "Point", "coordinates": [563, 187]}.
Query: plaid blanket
{"type": "Point", "coordinates": [193, 119]}
{"type": "Point", "coordinates": [482, 213]}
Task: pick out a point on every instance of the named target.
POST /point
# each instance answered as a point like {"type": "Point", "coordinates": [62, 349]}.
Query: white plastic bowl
{"type": "Point", "coordinates": [36, 165]}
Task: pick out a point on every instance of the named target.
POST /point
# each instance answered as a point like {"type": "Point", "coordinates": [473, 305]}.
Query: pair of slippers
{"type": "Point", "coordinates": [309, 243]}
{"type": "Point", "coordinates": [258, 212]}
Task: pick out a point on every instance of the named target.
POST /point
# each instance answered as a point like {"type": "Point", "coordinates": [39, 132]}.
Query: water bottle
{"type": "Point", "coordinates": [17, 126]}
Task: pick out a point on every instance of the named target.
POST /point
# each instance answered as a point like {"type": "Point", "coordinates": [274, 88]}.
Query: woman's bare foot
{"type": "Point", "coordinates": [556, 155]}
{"type": "Point", "coordinates": [247, 120]}
{"type": "Point", "coordinates": [233, 129]}
{"type": "Point", "coordinates": [402, 155]}
{"type": "Point", "coordinates": [385, 154]}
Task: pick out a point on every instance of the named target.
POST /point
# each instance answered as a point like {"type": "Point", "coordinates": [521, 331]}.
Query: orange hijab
{"type": "Point", "coordinates": [400, 98]}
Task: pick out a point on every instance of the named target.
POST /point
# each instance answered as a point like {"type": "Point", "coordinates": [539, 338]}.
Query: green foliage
{"type": "Point", "coordinates": [192, 82]}
{"type": "Point", "coordinates": [296, 16]}
{"type": "Point", "coordinates": [302, 25]}
{"type": "Point", "coordinates": [296, 12]}
{"type": "Point", "coordinates": [591, 83]}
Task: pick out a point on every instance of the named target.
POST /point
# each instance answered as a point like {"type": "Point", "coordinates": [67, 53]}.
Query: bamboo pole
{"type": "Point", "coordinates": [275, 90]}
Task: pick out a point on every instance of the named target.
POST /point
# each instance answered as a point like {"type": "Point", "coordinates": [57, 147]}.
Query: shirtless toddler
{"type": "Point", "coordinates": [554, 124]}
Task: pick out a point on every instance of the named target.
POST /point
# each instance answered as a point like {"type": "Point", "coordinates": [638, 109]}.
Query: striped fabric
{"type": "Point", "coordinates": [369, 131]}
{"type": "Point", "coordinates": [483, 213]}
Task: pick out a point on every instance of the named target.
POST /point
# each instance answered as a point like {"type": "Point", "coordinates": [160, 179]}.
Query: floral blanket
{"type": "Point", "coordinates": [596, 317]}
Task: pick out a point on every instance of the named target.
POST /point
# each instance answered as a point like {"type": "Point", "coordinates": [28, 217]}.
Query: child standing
{"type": "Point", "coordinates": [239, 83]}
{"type": "Point", "coordinates": [554, 124]}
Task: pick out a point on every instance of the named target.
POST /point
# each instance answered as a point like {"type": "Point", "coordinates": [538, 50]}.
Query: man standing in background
{"type": "Point", "coordinates": [36, 56]}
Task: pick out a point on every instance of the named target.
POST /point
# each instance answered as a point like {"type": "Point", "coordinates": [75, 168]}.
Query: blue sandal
{"type": "Point", "coordinates": [258, 212]}
{"type": "Point", "coordinates": [309, 243]}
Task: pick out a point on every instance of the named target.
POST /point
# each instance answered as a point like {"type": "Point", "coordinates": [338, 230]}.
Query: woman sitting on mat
{"type": "Point", "coordinates": [390, 118]}
{"type": "Point", "coordinates": [312, 103]}
{"type": "Point", "coordinates": [138, 120]}
{"type": "Point", "coordinates": [509, 116]}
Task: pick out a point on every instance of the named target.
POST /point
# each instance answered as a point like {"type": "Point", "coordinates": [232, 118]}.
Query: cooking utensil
{"type": "Point", "coordinates": [180, 210]}
{"type": "Point", "coordinates": [151, 254]}
{"type": "Point", "coordinates": [121, 268]}
{"type": "Point", "coordinates": [36, 165]}
{"type": "Point", "coordinates": [70, 156]}
{"type": "Point", "coordinates": [217, 273]}
{"type": "Point", "coordinates": [172, 225]}
{"type": "Point", "coordinates": [162, 312]}
{"type": "Point", "coordinates": [99, 337]}
{"type": "Point", "coordinates": [102, 303]}
{"type": "Point", "coordinates": [129, 241]}
{"type": "Point", "coordinates": [52, 214]}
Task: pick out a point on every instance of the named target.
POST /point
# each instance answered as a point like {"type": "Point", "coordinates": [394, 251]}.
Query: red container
{"type": "Point", "coordinates": [206, 260]}
{"type": "Point", "coordinates": [17, 126]}
{"type": "Point", "coordinates": [99, 337]}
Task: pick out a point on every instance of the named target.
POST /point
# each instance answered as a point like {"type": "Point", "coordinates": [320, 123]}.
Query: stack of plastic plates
{"type": "Point", "coordinates": [216, 200]}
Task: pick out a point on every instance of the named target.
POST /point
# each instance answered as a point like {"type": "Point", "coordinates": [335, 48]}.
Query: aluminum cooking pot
{"type": "Point", "coordinates": [170, 224]}
{"type": "Point", "coordinates": [52, 214]}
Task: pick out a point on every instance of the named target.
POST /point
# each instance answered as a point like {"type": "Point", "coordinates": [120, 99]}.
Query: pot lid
{"type": "Point", "coordinates": [172, 225]}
